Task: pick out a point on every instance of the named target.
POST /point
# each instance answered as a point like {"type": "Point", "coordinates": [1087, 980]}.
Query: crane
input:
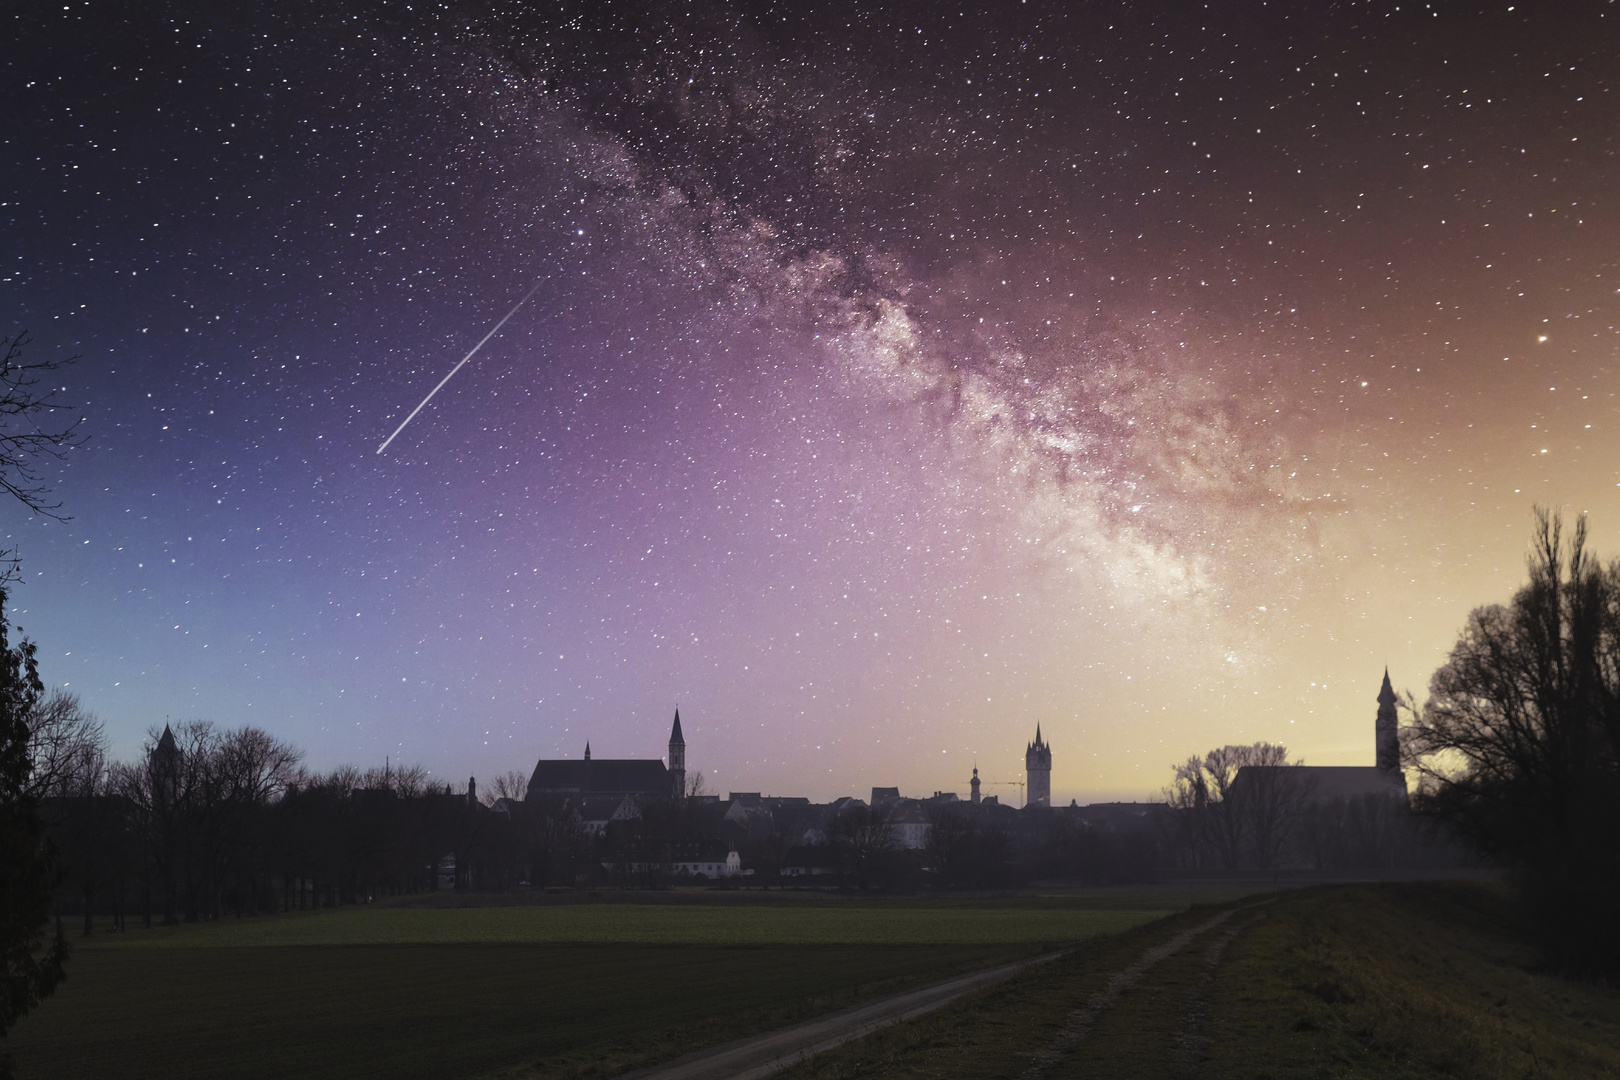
{"type": "Point", "coordinates": [1019, 784]}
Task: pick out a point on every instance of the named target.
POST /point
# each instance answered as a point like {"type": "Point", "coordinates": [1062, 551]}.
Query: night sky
{"type": "Point", "coordinates": [897, 378]}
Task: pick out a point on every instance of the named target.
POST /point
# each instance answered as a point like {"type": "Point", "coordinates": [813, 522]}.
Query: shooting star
{"type": "Point", "coordinates": [492, 332]}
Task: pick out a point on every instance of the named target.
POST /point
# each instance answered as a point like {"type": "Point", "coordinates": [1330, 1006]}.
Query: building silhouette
{"type": "Point", "coordinates": [1038, 769]}
{"type": "Point", "coordinates": [677, 760]}
{"type": "Point", "coordinates": [1389, 744]}
{"type": "Point", "coordinates": [613, 777]}
{"type": "Point", "coordinates": [1315, 784]}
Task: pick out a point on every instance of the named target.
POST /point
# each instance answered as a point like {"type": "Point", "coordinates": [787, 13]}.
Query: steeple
{"type": "Point", "coordinates": [164, 768]}
{"type": "Point", "coordinates": [587, 750]}
{"type": "Point", "coordinates": [975, 785]}
{"type": "Point", "coordinates": [1386, 730]}
{"type": "Point", "coordinates": [677, 759]}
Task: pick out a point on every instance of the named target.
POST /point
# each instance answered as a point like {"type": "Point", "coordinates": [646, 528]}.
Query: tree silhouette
{"type": "Point", "coordinates": [30, 964]}
{"type": "Point", "coordinates": [1251, 821]}
{"type": "Point", "coordinates": [33, 424]}
{"type": "Point", "coordinates": [1518, 745]}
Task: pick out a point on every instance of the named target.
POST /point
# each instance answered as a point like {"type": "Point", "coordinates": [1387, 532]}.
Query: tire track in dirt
{"type": "Point", "coordinates": [1191, 1039]}
{"type": "Point", "coordinates": [759, 1056]}
{"type": "Point", "coordinates": [1079, 1023]}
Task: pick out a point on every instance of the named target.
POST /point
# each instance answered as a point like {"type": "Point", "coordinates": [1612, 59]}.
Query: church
{"type": "Point", "coordinates": [1331, 783]}
{"type": "Point", "coordinates": [617, 778]}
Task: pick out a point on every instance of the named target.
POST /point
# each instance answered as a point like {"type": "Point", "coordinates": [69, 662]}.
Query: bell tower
{"type": "Point", "coordinates": [677, 760]}
{"type": "Point", "coordinates": [1387, 730]}
{"type": "Point", "coordinates": [1038, 769]}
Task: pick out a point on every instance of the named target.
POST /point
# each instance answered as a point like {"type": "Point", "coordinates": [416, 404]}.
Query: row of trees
{"type": "Point", "coordinates": [211, 821]}
{"type": "Point", "coordinates": [208, 822]}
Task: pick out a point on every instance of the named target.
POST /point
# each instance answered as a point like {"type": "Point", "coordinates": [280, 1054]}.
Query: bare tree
{"type": "Point", "coordinates": [405, 781]}
{"type": "Point", "coordinates": [696, 786]}
{"type": "Point", "coordinates": [1187, 824]}
{"type": "Point", "coordinates": [32, 424]}
{"type": "Point", "coordinates": [1518, 747]}
{"type": "Point", "coordinates": [1237, 822]}
{"type": "Point", "coordinates": [865, 836]}
{"type": "Point", "coordinates": [511, 785]}
{"type": "Point", "coordinates": [65, 743]}
{"type": "Point", "coordinates": [952, 837]}
{"type": "Point", "coordinates": [198, 800]}
{"type": "Point", "coordinates": [1273, 793]}
{"type": "Point", "coordinates": [90, 823]}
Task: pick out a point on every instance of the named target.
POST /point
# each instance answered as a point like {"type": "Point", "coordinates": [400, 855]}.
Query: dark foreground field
{"type": "Point", "coordinates": [1396, 980]}
{"type": "Point", "coordinates": [1373, 981]}
{"type": "Point", "coordinates": [573, 990]}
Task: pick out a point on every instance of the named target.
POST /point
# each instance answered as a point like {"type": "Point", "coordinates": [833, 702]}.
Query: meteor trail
{"type": "Point", "coordinates": [492, 332]}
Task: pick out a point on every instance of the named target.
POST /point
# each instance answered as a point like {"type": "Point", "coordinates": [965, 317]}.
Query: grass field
{"type": "Point", "coordinates": [1349, 982]}
{"type": "Point", "coordinates": [623, 924]}
{"type": "Point", "coordinates": [566, 991]}
{"type": "Point", "coordinates": [1342, 982]}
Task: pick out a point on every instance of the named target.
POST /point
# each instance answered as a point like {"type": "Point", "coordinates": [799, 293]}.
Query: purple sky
{"type": "Point", "coordinates": [895, 380]}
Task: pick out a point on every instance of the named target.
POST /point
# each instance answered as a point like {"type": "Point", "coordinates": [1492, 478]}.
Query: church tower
{"type": "Point", "coordinates": [975, 785]}
{"type": "Point", "coordinates": [163, 765]}
{"type": "Point", "coordinates": [1388, 739]}
{"type": "Point", "coordinates": [1038, 768]}
{"type": "Point", "coordinates": [677, 760]}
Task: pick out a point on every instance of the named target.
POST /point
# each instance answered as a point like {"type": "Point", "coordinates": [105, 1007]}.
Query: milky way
{"type": "Point", "coordinates": [895, 379]}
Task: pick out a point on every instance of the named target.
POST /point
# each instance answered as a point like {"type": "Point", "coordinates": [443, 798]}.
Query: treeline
{"type": "Point", "coordinates": [209, 822]}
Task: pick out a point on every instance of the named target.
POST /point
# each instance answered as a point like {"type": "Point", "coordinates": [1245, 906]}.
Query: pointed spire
{"type": "Point", "coordinates": [166, 741]}
{"type": "Point", "coordinates": [587, 750]}
{"type": "Point", "coordinates": [1386, 695]}
{"type": "Point", "coordinates": [675, 735]}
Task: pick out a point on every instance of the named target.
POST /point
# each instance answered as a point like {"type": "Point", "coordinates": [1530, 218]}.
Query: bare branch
{"type": "Point", "coordinates": [33, 424]}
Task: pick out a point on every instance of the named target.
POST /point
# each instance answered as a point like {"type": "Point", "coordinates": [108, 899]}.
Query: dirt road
{"type": "Point", "coordinates": [761, 1055]}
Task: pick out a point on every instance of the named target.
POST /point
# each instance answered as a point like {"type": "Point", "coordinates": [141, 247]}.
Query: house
{"type": "Point", "coordinates": [711, 859]}
{"type": "Point", "coordinates": [909, 825]}
{"type": "Point", "coordinates": [597, 811]}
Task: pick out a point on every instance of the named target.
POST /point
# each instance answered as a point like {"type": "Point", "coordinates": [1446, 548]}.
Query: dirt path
{"type": "Point", "coordinates": [1192, 1038]}
{"type": "Point", "coordinates": [762, 1055]}
{"type": "Point", "coordinates": [1080, 1021]}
